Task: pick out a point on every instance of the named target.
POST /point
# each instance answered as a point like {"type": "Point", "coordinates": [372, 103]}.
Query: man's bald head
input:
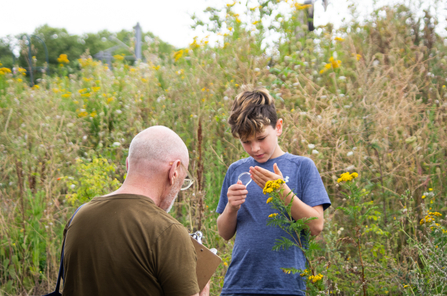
{"type": "Point", "coordinates": [156, 146]}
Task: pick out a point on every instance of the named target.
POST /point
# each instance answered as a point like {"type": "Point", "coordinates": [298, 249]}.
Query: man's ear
{"type": "Point", "coordinates": [278, 128]}
{"type": "Point", "coordinates": [173, 171]}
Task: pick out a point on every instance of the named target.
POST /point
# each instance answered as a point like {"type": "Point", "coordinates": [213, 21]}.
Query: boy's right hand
{"type": "Point", "coordinates": [236, 195]}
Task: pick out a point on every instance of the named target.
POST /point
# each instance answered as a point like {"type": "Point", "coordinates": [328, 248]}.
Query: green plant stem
{"type": "Point", "coordinates": [361, 263]}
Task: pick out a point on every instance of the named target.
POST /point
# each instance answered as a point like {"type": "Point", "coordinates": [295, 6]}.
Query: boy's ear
{"type": "Point", "coordinates": [278, 128]}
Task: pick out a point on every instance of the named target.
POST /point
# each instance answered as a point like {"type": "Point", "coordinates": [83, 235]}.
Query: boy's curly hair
{"type": "Point", "coordinates": [252, 110]}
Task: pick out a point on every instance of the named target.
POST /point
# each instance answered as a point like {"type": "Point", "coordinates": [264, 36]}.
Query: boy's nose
{"type": "Point", "coordinates": [254, 147]}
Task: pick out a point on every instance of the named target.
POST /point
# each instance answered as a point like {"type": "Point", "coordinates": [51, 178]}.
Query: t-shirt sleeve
{"type": "Point", "coordinates": [313, 190]}
{"type": "Point", "coordinates": [176, 261]}
{"type": "Point", "coordinates": [223, 200]}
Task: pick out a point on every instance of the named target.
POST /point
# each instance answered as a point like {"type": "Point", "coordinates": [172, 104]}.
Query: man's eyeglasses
{"type": "Point", "coordinates": [188, 179]}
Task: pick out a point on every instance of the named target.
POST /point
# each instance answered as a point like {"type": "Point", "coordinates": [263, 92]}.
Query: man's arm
{"type": "Point", "coordinates": [227, 221]}
{"type": "Point", "coordinates": [205, 291]}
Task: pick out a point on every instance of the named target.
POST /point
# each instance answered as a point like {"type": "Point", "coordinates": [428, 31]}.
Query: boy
{"type": "Point", "coordinates": [255, 267]}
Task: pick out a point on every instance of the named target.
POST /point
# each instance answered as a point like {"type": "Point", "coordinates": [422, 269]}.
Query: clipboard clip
{"type": "Point", "coordinates": [198, 237]}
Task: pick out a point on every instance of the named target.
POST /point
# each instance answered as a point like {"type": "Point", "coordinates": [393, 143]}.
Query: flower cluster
{"type": "Point", "coordinates": [315, 278]}
{"type": "Point", "coordinates": [430, 217]}
{"type": "Point", "coordinates": [345, 177]}
{"type": "Point", "coordinates": [273, 215]}
{"type": "Point", "coordinates": [332, 64]}
{"type": "Point", "coordinates": [87, 62]}
{"type": "Point", "coordinates": [178, 55]}
{"type": "Point", "coordinates": [63, 59]}
{"type": "Point", "coordinates": [22, 71]}
{"type": "Point", "coordinates": [272, 185]}
{"type": "Point", "coordinates": [4, 70]}
{"type": "Point", "coordinates": [119, 57]}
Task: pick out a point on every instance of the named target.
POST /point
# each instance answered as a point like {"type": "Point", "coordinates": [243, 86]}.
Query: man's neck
{"type": "Point", "coordinates": [149, 191]}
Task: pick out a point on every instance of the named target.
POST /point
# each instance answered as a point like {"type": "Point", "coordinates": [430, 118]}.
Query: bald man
{"type": "Point", "coordinates": [125, 242]}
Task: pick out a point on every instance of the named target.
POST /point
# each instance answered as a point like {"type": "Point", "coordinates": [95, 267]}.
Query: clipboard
{"type": "Point", "coordinates": [207, 263]}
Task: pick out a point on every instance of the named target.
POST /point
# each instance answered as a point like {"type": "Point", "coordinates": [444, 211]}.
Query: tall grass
{"type": "Point", "coordinates": [380, 111]}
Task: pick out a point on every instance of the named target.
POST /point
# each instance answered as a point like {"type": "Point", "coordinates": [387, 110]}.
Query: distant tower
{"type": "Point", "coordinates": [138, 42]}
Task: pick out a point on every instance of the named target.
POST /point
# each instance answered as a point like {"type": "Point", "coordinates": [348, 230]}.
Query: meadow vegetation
{"type": "Point", "coordinates": [370, 98]}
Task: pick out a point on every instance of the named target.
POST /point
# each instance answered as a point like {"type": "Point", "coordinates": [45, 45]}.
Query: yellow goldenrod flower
{"type": "Point", "coordinates": [269, 200]}
{"type": "Point", "coordinates": [4, 70]}
{"type": "Point", "coordinates": [273, 215]}
{"type": "Point", "coordinates": [93, 114]}
{"type": "Point", "coordinates": [82, 114]}
{"type": "Point", "coordinates": [299, 6]}
{"type": "Point", "coordinates": [118, 57]}
{"type": "Point", "coordinates": [178, 55]}
{"type": "Point", "coordinates": [63, 59]}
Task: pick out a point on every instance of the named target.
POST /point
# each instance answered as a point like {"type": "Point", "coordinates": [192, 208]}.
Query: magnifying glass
{"type": "Point", "coordinates": [245, 178]}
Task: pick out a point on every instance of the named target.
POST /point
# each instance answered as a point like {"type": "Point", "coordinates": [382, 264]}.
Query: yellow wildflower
{"type": "Point", "coordinates": [302, 7]}
{"type": "Point", "coordinates": [339, 39]}
{"type": "Point", "coordinates": [93, 114]}
{"type": "Point", "coordinates": [316, 278]}
{"type": "Point", "coordinates": [118, 57]}
{"type": "Point", "coordinates": [4, 70]}
{"type": "Point", "coordinates": [269, 200]}
{"type": "Point", "coordinates": [22, 70]}
{"type": "Point", "coordinates": [82, 114]}
{"type": "Point", "coordinates": [423, 196]}
{"type": "Point", "coordinates": [63, 59]}
{"type": "Point", "coordinates": [256, 22]}
{"type": "Point", "coordinates": [273, 215]}
{"type": "Point", "coordinates": [430, 189]}
{"type": "Point", "coordinates": [178, 55]}
{"type": "Point", "coordinates": [36, 86]}
{"type": "Point", "coordinates": [96, 88]}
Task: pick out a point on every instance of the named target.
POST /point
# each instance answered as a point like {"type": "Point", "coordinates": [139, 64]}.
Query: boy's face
{"type": "Point", "coordinates": [264, 146]}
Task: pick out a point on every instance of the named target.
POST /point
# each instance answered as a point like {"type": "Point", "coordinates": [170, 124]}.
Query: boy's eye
{"type": "Point", "coordinates": [261, 139]}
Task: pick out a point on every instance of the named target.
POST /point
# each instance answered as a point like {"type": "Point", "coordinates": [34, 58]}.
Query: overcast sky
{"type": "Point", "coordinates": [168, 19]}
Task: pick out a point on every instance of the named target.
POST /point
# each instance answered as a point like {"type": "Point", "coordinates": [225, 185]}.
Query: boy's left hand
{"type": "Point", "coordinates": [261, 176]}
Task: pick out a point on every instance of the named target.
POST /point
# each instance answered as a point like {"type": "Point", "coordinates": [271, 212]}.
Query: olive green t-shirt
{"type": "Point", "coordinates": [126, 245]}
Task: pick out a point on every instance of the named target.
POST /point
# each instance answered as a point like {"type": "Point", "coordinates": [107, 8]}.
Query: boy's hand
{"type": "Point", "coordinates": [261, 176]}
{"type": "Point", "coordinates": [236, 195]}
